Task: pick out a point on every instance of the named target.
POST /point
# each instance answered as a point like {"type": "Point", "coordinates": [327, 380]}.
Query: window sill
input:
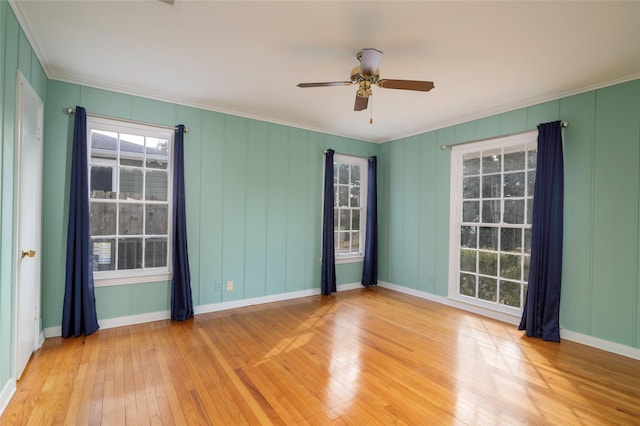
{"type": "Point", "coordinates": [99, 280]}
{"type": "Point", "coordinates": [349, 259]}
{"type": "Point", "coordinates": [499, 312]}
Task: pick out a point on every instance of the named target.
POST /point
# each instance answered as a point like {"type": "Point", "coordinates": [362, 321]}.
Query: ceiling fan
{"type": "Point", "coordinates": [367, 74]}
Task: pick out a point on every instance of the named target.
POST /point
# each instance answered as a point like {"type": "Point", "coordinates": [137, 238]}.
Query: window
{"type": "Point", "coordinates": [491, 204]}
{"type": "Point", "coordinates": [130, 201]}
{"type": "Point", "coordinates": [350, 206]}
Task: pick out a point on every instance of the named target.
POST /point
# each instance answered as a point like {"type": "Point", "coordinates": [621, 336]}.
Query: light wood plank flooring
{"type": "Point", "coordinates": [359, 357]}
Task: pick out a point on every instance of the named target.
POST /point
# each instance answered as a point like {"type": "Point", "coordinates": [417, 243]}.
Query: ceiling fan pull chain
{"type": "Point", "coordinates": [371, 110]}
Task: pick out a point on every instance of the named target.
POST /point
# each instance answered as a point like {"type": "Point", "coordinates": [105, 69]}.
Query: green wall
{"type": "Point", "coordinates": [601, 284]}
{"type": "Point", "coordinates": [17, 54]}
{"type": "Point", "coordinates": [254, 193]}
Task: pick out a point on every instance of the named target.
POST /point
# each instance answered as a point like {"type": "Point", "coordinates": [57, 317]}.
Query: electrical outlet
{"type": "Point", "coordinates": [229, 285]}
{"type": "Point", "coordinates": [218, 286]}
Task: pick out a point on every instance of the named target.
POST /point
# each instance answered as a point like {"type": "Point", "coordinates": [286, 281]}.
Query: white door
{"type": "Point", "coordinates": [28, 204]}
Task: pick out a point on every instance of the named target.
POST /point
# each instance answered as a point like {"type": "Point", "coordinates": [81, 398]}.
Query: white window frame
{"type": "Point", "coordinates": [457, 154]}
{"type": "Point", "coordinates": [134, 276]}
{"type": "Point", "coordinates": [364, 173]}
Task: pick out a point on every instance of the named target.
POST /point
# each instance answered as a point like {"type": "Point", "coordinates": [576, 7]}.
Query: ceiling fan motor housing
{"type": "Point", "coordinates": [364, 82]}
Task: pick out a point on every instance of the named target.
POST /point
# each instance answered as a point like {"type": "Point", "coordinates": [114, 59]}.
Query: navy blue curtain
{"type": "Point", "coordinates": [79, 305]}
{"type": "Point", "coordinates": [541, 314]}
{"type": "Point", "coordinates": [370, 269]}
{"type": "Point", "coordinates": [181, 300]}
{"type": "Point", "coordinates": [328, 280]}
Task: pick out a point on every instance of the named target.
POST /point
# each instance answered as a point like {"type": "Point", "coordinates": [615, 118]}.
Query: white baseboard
{"type": "Point", "coordinates": [201, 309]}
{"type": "Point", "coordinates": [605, 345]}
{"type": "Point", "coordinates": [573, 336]}
{"type": "Point", "coordinates": [500, 316]}
{"type": "Point", "coordinates": [6, 394]}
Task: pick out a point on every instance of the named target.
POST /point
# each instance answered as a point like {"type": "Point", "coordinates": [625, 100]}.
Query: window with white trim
{"type": "Point", "coordinates": [350, 206]}
{"type": "Point", "coordinates": [130, 168]}
{"type": "Point", "coordinates": [492, 186]}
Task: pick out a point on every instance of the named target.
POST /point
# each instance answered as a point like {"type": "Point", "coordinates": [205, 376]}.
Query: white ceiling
{"type": "Point", "coordinates": [246, 58]}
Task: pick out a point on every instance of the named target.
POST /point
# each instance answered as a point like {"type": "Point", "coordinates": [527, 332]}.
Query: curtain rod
{"type": "Point", "coordinates": [563, 125]}
{"type": "Point", "coordinates": [349, 155]}
{"type": "Point", "coordinates": [71, 111]}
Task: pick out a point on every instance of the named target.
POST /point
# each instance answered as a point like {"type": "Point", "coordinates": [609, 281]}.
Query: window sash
{"type": "Point", "coordinates": [345, 235]}
{"type": "Point", "coordinates": [483, 272]}
{"type": "Point", "coordinates": [139, 171]}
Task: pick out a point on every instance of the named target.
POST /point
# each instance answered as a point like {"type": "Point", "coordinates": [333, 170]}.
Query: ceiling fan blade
{"type": "Point", "coordinates": [423, 86]}
{"type": "Point", "coordinates": [369, 61]}
{"type": "Point", "coordinates": [327, 84]}
{"type": "Point", "coordinates": [361, 103]}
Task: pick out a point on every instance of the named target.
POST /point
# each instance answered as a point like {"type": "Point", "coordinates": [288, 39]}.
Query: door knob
{"type": "Point", "coordinates": [28, 253]}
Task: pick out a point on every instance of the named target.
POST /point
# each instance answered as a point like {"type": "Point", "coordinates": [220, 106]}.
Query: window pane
{"type": "Point", "coordinates": [130, 253]}
{"type": "Point", "coordinates": [514, 161]}
{"type": "Point", "coordinates": [131, 162]}
{"type": "Point", "coordinates": [155, 252]}
{"type": "Point", "coordinates": [510, 293]}
{"type": "Point", "coordinates": [471, 164]}
{"type": "Point", "coordinates": [102, 218]}
{"type": "Point", "coordinates": [101, 182]}
{"type": "Point", "coordinates": [336, 222]}
{"type": "Point", "coordinates": [345, 219]}
{"type": "Point", "coordinates": [527, 240]}
{"type": "Point", "coordinates": [131, 150]}
{"type": "Point", "coordinates": [532, 156]}
{"type": "Point", "coordinates": [130, 184]}
{"type": "Point", "coordinates": [104, 147]}
{"type": "Point", "coordinates": [355, 242]}
{"type": "Point", "coordinates": [468, 285]}
{"type": "Point", "coordinates": [491, 186]}
{"type": "Point", "coordinates": [343, 174]}
{"type": "Point", "coordinates": [355, 220]}
{"type": "Point", "coordinates": [156, 185]}
{"type": "Point", "coordinates": [343, 242]}
{"type": "Point", "coordinates": [531, 181]}
{"type": "Point", "coordinates": [104, 254]}
{"type": "Point", "coordinates": [514, 211]}
{"type": "Point", "coordinates": [491, 162]}
{"type": "Point", "coordinates": [468, 236]}
{"type": "Point", "coordinates": [355, 196]}
{"type": "Point", "coordinates": [491, 211]}
{"type": "Point", "coordinates": [488, 263]}
{"type": "Point", "coordinates": [157, 153]}
{"type": "Point", "coordinates": [510, 266]}
{"type": "Point", "coordinates": [525, 275]}
{"type": "Point", "coordinates": [511, 239]}
{"type": "Point", "coordinates": [355, 174]}
{"type": "Point", "coordinates": [487, 289]}
{"type": "Point", "coordinates": [343, 196]}
{"type": "Point", "coordinates": [157, 219]}
{"type": "Point", "coordinates": [471, 187]}
{"type": "Point", "coordinates": [470, 211]}
{"type": "Point", "coordinates": [489, 238]}
{"type": "Point", "coordinates": [514, 184]}
{"type": "Point", "coordinates": [530, 210]}
{"type": "Point", "coordinates": [468, 260]}
{"type": "Point", "coordinates": [130, 220]}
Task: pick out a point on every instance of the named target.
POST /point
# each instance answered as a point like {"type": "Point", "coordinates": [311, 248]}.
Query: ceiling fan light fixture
{"type": "Point", "coordinates": [364, 91]}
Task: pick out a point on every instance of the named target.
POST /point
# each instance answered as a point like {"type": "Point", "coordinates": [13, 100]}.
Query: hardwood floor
{"type": "Point", "coordinates": [359, 357]}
